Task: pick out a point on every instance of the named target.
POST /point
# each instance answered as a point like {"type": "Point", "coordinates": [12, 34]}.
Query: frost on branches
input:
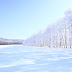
{"type": "Point", "coordinates": [56, 35]}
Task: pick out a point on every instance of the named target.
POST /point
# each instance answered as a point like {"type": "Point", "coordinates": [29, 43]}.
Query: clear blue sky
{"type": "Point", "coordinates": [21, 18]}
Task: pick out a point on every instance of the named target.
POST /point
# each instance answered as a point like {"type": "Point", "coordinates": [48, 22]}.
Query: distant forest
{"type": "Point", "coordinates": [4, 41]}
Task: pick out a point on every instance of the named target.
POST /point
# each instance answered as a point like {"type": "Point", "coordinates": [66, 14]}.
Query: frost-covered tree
{"type": "Point", "coordinates": [58, 34]}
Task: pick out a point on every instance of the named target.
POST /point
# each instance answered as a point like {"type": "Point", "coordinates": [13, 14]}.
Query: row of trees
{"type": "Point", "coordinates": [57, 35]}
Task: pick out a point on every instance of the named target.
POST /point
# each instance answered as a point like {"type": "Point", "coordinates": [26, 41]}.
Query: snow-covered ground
{"type": "Point", "coordinates": [4, 46]}
{"type": "Point", "coordinates": [35, 59]}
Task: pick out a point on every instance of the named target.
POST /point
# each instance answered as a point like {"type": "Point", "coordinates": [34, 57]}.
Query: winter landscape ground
{"type": "Point", "coordinates": [35, 59]}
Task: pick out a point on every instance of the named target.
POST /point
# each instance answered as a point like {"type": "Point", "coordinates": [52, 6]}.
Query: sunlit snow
{"type": "Point", "coordinates": [35, 59]}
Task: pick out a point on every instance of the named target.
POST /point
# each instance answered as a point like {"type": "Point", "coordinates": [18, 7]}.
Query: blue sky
{"type": "Point", "coordinates": [19, 19]}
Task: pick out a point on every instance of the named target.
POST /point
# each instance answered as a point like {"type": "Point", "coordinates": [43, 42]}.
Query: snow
{"type": "Point", "coordinates": [35, 59]}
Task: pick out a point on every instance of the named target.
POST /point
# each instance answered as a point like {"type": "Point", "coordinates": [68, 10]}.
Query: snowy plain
{"type": "Point", "coordinates": [35, 59]}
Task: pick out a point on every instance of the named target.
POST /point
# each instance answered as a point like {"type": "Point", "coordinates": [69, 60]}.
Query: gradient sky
{"type": "Point", "coordinates": [19, 19]}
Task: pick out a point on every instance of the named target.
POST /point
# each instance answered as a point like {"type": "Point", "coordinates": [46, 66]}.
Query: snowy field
{"type": "Point", "coordinates": [35, 59]}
